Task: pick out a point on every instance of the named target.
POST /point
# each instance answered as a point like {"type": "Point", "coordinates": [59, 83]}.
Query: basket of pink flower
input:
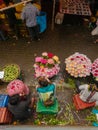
{"type": "Point", "coordinates": [46, 65]}
{"type": "Point", "coordinates": [95, 69]}
{"type": "Point", "coordinates": [78, 65]}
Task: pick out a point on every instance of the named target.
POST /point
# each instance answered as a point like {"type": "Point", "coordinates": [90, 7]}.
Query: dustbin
{"type": "Point", "coordinates": [42, 22]}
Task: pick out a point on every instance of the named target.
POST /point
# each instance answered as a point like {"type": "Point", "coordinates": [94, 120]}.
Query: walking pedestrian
{"type": "Point", "coordinates": [28, 15]}
{"type": "Point", "coordinates": [12, 20]}
{"type": "Point", "coordinates": [21, 102]}
{"type": "Point", "coordinates": [3, 31]}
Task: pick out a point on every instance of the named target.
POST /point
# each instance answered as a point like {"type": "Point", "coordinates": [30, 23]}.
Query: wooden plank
{"type": "Point", "coordinates": [14, 5]}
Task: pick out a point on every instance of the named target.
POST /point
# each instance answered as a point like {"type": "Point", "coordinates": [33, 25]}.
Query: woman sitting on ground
{"type": "Point", "coordinates": [20, 99]}
{"type": "Point", "coordinates": [46, 91]}
{"type": "Point", "coordinates": [21, 106]}
{"type": "Point", "coordinates": [89, 93]}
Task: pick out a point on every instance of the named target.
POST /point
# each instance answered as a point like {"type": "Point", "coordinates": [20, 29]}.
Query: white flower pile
{"type": "Point", "coordinates": [78, 65]}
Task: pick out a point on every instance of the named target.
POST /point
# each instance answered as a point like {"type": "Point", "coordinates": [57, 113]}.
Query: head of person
{"type": "Point", "coordinates": [14, 100]}
{"type": "Point", "coordinates": [43, 81]}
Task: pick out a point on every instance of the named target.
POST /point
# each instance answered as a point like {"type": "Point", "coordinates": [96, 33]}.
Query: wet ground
{"type": "Point", "coordinates": [63, 41]}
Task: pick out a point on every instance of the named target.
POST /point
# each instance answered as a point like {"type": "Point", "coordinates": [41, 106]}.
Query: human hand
{"type": "Point", "coordinates": [22, 94]}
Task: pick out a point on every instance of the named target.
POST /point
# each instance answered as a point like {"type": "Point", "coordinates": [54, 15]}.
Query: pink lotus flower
{"type": "Point", "coordinates": [43, 61]}
{"type": "Point", "coordinates": [44, 54]}
{"type": "Point", "coordinates": [38, 59]}
{"type": "Point", "coordinates": [50, 61]}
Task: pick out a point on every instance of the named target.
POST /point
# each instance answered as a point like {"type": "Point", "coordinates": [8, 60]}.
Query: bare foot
{"type": "Point", "coordinates": [32, 103]}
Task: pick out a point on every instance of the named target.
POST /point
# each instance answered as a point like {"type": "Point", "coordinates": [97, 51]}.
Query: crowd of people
{"type": "Point", "coordinates": [27, 15]}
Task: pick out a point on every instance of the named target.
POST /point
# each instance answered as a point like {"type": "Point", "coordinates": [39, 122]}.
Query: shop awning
{"type": "Point", "coordinates": [77, 7]}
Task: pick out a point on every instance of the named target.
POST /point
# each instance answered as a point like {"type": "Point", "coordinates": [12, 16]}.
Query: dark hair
{"type": "Point", "coordinates": [43, 81]}
{"type": "Point", "coordinates": [14, 100]}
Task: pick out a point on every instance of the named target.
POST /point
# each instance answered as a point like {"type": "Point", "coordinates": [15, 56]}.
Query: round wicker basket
{"type": "Point", "coordinates": [11, 72]}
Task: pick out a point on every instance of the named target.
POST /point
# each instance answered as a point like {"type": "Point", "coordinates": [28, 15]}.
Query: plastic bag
{"type": "Point", "coordinates": [95, 31]}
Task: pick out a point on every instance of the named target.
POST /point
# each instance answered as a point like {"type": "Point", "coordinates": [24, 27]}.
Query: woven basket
{"type": "Point", "coordinates": [11, 72]}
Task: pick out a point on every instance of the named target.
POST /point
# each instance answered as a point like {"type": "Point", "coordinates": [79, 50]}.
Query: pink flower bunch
{"type": "Point", "coordinates": [78, 65]}
{"type": "Point", "coordinates": [46, 65]}
{"type": "Point", "coordinates": [95, 69]}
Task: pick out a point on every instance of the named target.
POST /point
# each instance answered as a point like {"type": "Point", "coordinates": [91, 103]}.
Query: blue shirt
{"type": "Point", "coordinates": [29, 14]}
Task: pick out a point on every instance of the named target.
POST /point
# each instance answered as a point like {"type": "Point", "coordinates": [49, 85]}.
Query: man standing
{"type": "Point", "coordinates": [12, 20]}
{"type": "Point", "coordinates": [28, 15]}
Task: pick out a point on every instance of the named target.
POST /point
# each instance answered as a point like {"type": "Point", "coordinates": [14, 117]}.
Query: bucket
{"type": "Point", "coordinates": [41, 21]}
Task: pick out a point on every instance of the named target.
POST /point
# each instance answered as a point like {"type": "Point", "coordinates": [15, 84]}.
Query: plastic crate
{"type": "Point", "coordinates": [5, 116]}
{"type": "Point", "coordinates": [4, 100]}
{"type": "Point", "coordinates": [41, 108]}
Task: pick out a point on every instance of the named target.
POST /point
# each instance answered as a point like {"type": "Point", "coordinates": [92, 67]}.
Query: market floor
{"type": "Point", "coordinates": [63, 41]}
{"type": "Point", "coordinates": [50, 128]}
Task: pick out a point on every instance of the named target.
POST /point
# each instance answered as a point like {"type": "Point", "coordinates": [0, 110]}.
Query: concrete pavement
{"type": "Point", "coordinates": [44, 128]}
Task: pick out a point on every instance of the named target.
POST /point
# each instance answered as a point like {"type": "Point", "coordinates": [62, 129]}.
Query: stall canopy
{"type": "Point", "coordinates": [76, 7]}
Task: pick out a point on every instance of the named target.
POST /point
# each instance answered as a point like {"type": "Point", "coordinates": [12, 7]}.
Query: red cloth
{"type": "Point", "coordinates": [79, 104]}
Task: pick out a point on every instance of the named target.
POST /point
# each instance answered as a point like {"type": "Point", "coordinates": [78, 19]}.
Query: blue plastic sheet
{"type": "Point", "coordinates": [95, 111]}
{"type": "Point", "coordinates": [3, 100]}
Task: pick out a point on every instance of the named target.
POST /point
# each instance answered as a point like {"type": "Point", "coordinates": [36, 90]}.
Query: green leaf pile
{"type": "Point", "coordinates": [11, 72]}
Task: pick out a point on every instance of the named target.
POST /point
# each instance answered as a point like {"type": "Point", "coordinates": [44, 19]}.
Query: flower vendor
{"type": "Point", "coordinates": [20, 101]}
{"type": "Point", "coordinates": [21, 108]}
{"type": "Point", "coordinates": [46, 91]}
{"type": "Point", "coordinates": [88, 92]}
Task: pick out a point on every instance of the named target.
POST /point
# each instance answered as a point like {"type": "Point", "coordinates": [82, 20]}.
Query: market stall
{"type": "Point", "coordinates": [77, 7]}
{"type": "Point", "coordinates": [41, 19]}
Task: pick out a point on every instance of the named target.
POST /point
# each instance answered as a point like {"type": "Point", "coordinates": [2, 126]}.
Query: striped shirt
{"type": "Point", "coordinates": [29, 14]}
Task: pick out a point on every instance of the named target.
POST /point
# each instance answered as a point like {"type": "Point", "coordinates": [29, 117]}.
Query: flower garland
{"type": "Point", "coordinates": [95, 69]}
{"type": "Point", "coordinates": [47, 65]}
{"type": "Point", "coordinates": [78, 65]}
